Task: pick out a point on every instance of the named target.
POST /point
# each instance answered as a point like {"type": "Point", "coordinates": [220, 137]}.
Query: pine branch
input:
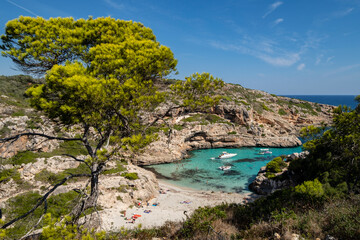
{"type": "Point", "coordinates": [17, 136]}
{"type": "Point", "coordinates": [43, 199]}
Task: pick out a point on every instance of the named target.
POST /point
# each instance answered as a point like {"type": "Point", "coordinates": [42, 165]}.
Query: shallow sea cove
{"type": "Point", "coordinates": [201, 171]}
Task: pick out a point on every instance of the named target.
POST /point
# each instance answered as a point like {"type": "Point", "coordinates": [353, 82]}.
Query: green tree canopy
{"type": "Point", "coordinates": [37, 44]}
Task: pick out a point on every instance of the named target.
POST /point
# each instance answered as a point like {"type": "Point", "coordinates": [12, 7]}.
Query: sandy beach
{"type": "Point", "coordinates": [171, 206]}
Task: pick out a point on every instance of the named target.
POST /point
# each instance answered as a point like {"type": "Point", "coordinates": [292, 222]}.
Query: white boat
{"type": "Point", "coordinates": [226, 155]}
{"type": "Point", "coordinates": [264, 151]}
{"type": "Point", "coordinates": [224, 168]}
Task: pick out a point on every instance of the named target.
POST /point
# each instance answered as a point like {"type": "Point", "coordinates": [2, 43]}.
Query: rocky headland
{"type": "Point", "coordinates": [244, 118]}
{"type": "Point", "coordinates": [265, 185]}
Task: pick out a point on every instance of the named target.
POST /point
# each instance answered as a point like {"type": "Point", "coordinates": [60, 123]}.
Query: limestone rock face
{"type": "Point", "coordinates": [265, 186]}
{"type": "Point", "coordinates": [117, 190]}
{"type": "Point", "coordinates": [240, 128]}
{"type": "Point", "coordinates": [17, 125]}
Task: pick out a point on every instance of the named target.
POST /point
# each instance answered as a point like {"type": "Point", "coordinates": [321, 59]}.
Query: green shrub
{"type": "Point", "coordinates": [205, 119]}
{"type": "Point", "coordinates": [19, 113]}
{"type": "Point", "coordinates": [130, 176]}
{"type": "Point", "coordinates": [200, 221]}
{"type": "Point", "coordinates": [194, 118]}
{"type": "Point", "coordinates": [7, 174]}
{"type": "Point", "coordinates": [47, 176]}
{"type": "Point", "coordinates": [341, 219]}
{"type": "Point", "coordinates": [24, 157]}
{"type": "Point", "coordinates": [245, 103]}
{"type": "Point", "coordinates": [275, 165]}
{"type": "Point", "coordinates": [232, 133]}
{"type": "Point", "coordinates": [270, 175]}
{"type": "Point", "coordinates": [119, 168]}
{"type": "Point", "coordinates": [34, 122]}
{"type": "Point", "coordinates": [50, 177]}
{"type": "Point", "coordinates": [311, 189]}
{"type": "Point", "coordinates": [5, 130]}
{"type": "Point", "coordinates": [227, 98]}
{"type": "Point", "coordinates": [281, 112]}
{"type": "Point", "coordinates": [212, 118]}
{"type": "Point", "coordinates": [55, 230]}
{"type": "Point", "coordinates": [265, 107]}
{"type": "Point", "coordinates": [178, 127]}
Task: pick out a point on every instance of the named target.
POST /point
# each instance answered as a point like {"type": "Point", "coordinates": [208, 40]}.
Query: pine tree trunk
{"type": "Point", "coordinates": [88, 201]}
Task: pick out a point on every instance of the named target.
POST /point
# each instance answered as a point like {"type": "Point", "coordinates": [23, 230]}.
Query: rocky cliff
{"type": "Point", "coordinates": [243, 118]}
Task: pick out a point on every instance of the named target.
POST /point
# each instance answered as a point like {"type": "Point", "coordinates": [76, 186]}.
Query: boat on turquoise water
{"type": "Point", "coordinates": [264, 151]}
{"type": "Point", "coordinates": [226, 155]}
{"type": "Point", "coordinates": [224, 168]}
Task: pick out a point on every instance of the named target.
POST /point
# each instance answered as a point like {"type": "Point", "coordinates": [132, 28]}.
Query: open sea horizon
{"type": "Point", "coordinates": [335, 100]}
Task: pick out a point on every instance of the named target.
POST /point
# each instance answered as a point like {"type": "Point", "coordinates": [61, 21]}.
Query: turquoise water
{"type": "Point", "coordinates": [201, 172]}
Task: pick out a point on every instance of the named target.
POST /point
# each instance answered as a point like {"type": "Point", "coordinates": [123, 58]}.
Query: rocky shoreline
{"type": "Point", "coordinates": [264, 185]}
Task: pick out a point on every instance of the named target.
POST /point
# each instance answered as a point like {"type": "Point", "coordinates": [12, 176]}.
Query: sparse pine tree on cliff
{"type": "Point", "coordinates": [100, 74]}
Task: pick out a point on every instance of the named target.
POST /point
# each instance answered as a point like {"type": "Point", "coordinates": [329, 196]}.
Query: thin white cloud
{"type": "Point", "coordinates": [343, 13]}
{"type": "Point", "coordinates": [330, 58]}
{"type": "Point", "coordinates": [318, 59]}
{"type": "Point", "coordinates": [272, 8]}
{"type": "Point", "coordinates": [276, 52]}
{"type": "Point", "coordinates": [115, 5]}
{"type": "Point", "coordinates": [336, 15]}
{"type": "Point", "coordinates": [284, 60]}
{"type": "Point", "coordinates": [343, 69]}
{"type": "Point", "coordinates": [276, 58]}
{"type": "Point", "coordinates": [23, 8]}
{"type": "Point", "coordinates": [277, 21]}
{"type": "Point", "coordinates": [301, 67]}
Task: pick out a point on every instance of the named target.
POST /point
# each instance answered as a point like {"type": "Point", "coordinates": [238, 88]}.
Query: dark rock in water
{"type": "Point", "coordinates": [158, 175]}
{"type": "Point", "coordinates": [268, 157]}
{"type": "Point", "coordinates": [245, 160]}
{"type": "Point", "coordinates": [218, 186]}
{"type": "Point", "coordinates": [195, 180]}
{"type": "Point", "coordinates": [237, 189]}
{"type": "Point", "coordinates": [228, 164]}
{"type": "Point", "coordinates": [260, 158]}
{"type": "Point", "coordinates": [188, 173]}
{"type": "Point", "coordinates": [231, 173]}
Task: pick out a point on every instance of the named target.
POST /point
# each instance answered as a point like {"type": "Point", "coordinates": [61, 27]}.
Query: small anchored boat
{"type": "Point", "coordinates": [226, 155]}
{"type": "Point", "coordinates": [264, 151]}
{"type": "Point", "coordinates": [224, 168]}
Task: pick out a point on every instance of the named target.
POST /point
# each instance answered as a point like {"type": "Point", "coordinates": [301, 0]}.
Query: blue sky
{"type": "Point", "coordinates": [282, 47]}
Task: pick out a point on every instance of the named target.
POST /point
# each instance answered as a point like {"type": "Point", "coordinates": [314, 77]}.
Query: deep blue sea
{"type": "Point", "coordinates": [201, 171]}
{"type": "Point", "coordinates": [336, 100]}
